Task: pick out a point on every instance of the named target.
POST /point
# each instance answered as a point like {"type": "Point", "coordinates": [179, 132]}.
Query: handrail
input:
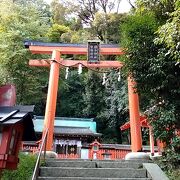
{"type": "Point", "coordinates": [36, 169]}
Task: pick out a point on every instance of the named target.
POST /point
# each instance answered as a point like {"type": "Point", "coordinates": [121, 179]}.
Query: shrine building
{"type": "Point", "coordinates": [71, 135]}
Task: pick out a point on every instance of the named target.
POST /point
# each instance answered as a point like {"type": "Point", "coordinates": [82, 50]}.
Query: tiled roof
{"type": "Point", "coordinates": [36, 43]}
{"type": "Point", "coordinates": [66, 122]}
{"type": "Point", "coordinates": [15, 114]}
{"type": "Point", "coordinates": [82, 131]}
{"type": "Point", "coordinates": [74, 131]}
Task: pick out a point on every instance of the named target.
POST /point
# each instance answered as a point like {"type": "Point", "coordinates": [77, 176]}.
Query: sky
{"type": "Point", "coordinates": [124, 6]}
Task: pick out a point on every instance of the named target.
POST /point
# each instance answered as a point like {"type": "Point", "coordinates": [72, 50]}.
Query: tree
{"type": "Point", "coordinates": [59, 12]}
{"type": "Point", "coordinates": [93, 95]}
{"type": "Point", "coordinates": [169, 38]}
{"type": "Point", "coordinates": [155, 71]}
{"type": "Point", "coordinates": [18, 23]}
{"type": "Point", "coordinates": [42, 7]}
{"type": "Point", "coordinates": [106, 26]}
{"type": "Point", "coordinates": [169, 34]}
{"type": "Point", "coordinates": [115, 112]}
{"type": "Point", "coordinates": [137, 35]}
{"type": "Point", "coordinates": [56, 31]}
{"type": "Point", "coordinates": [161, 8]}
{"type": "Point", "coordinates": [70, 95]}
{"type": "Point", "coordinates": [101, 18]}
{"type": "Point", "coordinates": [81, 36]}
{"type": "Point", "coordinates": [88, 9]}
{"type": "Point", "coordinates": [65, 23]}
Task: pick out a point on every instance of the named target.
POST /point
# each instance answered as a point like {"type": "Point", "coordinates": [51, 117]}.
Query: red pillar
{"type": "Point", "coordinates": [151, 139]}
{"type": "Point", "coordinates": [51, 99]}
{"type": "Point", "coordinates": [135, 127]}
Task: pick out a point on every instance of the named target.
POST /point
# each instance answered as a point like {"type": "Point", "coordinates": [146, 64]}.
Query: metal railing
{"type": "Point", "coordinates": [43, 145]}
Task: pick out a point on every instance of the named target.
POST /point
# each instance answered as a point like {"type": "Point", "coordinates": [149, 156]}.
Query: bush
{"type": "Point", "coordinates": [170, 163]}
{"type": "Point", "coordinates": [24, 171]}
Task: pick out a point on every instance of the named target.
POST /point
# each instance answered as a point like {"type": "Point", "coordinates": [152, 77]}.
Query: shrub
{"type": "Point", "coordinates": [24, 170]}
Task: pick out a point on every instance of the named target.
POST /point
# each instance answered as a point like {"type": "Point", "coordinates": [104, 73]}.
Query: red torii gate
{"type": "Point", "coordinates": [56, 62]}
{"type": "Point", "coordinates": [143, 123]}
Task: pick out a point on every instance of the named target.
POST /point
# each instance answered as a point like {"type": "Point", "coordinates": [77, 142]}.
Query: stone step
{"type": "Point", "coordinates": [92, 172]}
{"type": "Point", "coordinates": [93, 164]}
{"type": "Point", "coordinates": [84, 160]}
{"type": "Point", "coordinates": [89, 178]}
{"type": "Point", "coordinates": [94, 160]}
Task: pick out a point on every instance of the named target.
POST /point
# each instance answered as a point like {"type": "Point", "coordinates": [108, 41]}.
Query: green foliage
{"type": "Point", "coordinates": [137, 31]}
{"type": "Point", "coordinates": [81, 36]}
{"type": "Point", "coordinates": [58, 12]}
{"type": "Point", "coordinates": [148, 62]}
{"type": "Point", "coordinates": [169, 35]}
{"type": "Point", "coordinates": [173, 174]}
{"type": "Point", "coordinates": [137, 34]}
{"type": "Point", "coordinates": [20, 22]}
{"type": "Point", "coordinates": [169, 163]}
{"type": "Point", "coordinates": [150, 37]}
{"type": "Point", "coordinates": [70, 96]}
{"type": "Point", "coordinates": [106, 26]}
{"type": "Point", "coordinates": [93, 96]}
{"type": "Point", "coordinates": [78, 95]}
{"type": "Point", "coordinates": [114, 113]}
{"type": "Point", "coordinates": [75, 24]}
{"type": "Point", "coordinates": [161, 8]}
{"type": "Point", "coordinates": [85, 96]}
{"type": "Point", "coordinates": [101, 18]}
{"type": "Point", "coordinates": [55, 32]}
{"type": "Point", "coordinates": [155, 70]}
{"type": "Point", "coordinates": [163, 121]}
{"type": "Point", "coordinates": [40, 5]}
{"type": "Point", "coordinates": [64, 13]}
{"type": "Point", "coordinates": [24, 171]}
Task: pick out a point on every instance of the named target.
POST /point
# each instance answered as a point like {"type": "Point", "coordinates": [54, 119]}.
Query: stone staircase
{"type": "Point", "coordinates": [57, 169]}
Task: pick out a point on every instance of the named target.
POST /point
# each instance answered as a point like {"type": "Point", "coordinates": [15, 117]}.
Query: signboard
{"type": "Point", "coordinates": [93, 55]}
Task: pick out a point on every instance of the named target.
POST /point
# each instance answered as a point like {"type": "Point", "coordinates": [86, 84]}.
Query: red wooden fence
{"type": "Point", "coordinates": [114, 153]}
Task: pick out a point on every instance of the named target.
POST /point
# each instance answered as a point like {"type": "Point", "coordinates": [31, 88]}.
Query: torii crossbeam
{"type": "Point", "coordinates": [56, 62]}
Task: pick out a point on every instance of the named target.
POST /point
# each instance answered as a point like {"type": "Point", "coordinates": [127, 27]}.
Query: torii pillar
{"type": "Point", "coordinates": [135, 127]}
{"type": "Point", "coordinates": [51, 99]}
